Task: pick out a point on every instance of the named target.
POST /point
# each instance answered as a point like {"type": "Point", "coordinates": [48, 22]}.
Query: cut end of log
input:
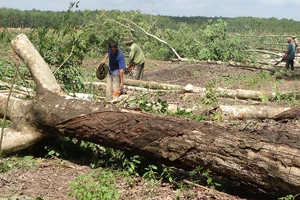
{"type": "Point", "coordinates": [189, 88]}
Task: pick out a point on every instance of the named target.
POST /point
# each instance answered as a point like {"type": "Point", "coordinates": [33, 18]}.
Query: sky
{"type": "Point", "coordinates": [289, 9]}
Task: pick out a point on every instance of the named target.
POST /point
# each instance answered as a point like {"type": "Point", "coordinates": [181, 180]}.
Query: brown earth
{"type": "Point", "coordinates": [50, 179]}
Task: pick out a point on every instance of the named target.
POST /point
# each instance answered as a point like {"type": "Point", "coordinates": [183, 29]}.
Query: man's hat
{"type": "Point", "coordinates": [128, 40]}
{"type": "Point", "coordinates": [102, 71]}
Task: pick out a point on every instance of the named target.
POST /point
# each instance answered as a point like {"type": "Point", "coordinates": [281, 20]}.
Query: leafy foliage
{"type": "Point", "coordinates": [64, 49]}
{"type": "Point", "coordinates": [289, 197]}
{"type": "Point", "coordinates": [159, 106]}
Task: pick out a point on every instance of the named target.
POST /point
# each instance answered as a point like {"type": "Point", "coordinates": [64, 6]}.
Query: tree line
{"type": "Point", "coordinates": [15, 18]}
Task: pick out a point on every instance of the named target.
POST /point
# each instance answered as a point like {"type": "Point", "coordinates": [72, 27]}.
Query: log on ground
{"type": "Point", "coordinates": [270, 160]}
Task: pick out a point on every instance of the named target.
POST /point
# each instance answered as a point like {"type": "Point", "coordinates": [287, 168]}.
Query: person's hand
{"type": "Point", "coordinates": [121, 86]}
{"type": "Point", "coordinates": [284, 56]}
{"type": "Point", "coordinates": [102, 62]}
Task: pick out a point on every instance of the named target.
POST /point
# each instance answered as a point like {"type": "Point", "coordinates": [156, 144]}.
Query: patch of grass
{"type": "Point", "coordinates": [255, 81]}
{"type": "Point", "coordinates": [182, 112]}
{"type": "Point", "coordinates": [210, 96]}
{"type": "Point", "coordinates": [99, 184]}
{"type": "Point", "coordinates": [7, 164]}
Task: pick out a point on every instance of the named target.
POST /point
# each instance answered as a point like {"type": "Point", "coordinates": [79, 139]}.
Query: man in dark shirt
{"type": "Point", "coordinates": [116, 66]}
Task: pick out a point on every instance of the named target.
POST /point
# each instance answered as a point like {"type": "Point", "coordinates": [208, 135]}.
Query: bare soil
{"type": "Point", "coordinates": [50, 178]}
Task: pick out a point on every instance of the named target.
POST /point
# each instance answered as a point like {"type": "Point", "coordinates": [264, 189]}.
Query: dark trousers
{"type": "Point", "coordinates": [289, 63]}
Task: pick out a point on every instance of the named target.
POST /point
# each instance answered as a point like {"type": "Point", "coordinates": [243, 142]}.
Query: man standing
{"type": "Point", "coordinates": [116, 66]}
{"type": "Point", "coordinates": [290, 54]}
{"type": "Point", "coordinates": [136, 59]}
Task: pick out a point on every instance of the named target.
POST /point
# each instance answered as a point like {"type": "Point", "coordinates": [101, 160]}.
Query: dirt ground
{"type": "Point", "coordinates": [50, 179]}
{"type": "Point", "coordinates": [203, 74]}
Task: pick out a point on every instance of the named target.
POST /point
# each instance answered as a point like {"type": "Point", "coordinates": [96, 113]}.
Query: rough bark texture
{"type": "Point", "coordinates": [293, 113]}
{"type": "Point", "coordinates": [271, 160]}
{"type": "Point", "coordinates": [14, 105]}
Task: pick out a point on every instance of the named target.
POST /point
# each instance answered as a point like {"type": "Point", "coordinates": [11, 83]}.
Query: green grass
{"type": "Point", "coordinates": [7, 164]}
{"type": "Point", "coordinates": [256, 81]}
{"type": "Point", "coordinates": [99, 184]}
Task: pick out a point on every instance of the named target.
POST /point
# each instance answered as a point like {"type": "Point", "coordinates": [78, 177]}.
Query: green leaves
{"type": "Point", "coordinates": [96, 185]}
{"type": "Point", "coordinates": [159, 106]}
{"type": "Point", "coordinates": [9, 163]}
{"type": "Point", "coordinates": [199, 175]}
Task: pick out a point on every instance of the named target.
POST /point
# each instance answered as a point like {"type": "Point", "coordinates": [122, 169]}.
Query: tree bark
{"type": "Point", "coordinates": [268, 159]}
{"type": "Point", "coordinates": [293, 113]}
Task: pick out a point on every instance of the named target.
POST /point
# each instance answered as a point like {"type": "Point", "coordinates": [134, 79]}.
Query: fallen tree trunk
{"type": "Point", "coordinates": [270, 160]}
{"type": "Point", "coordinates": [241, 93]}
{"type": "Point", "coordinates": [265, 52]}
{"type": "Point", "coordinates": [250, 112]}
{"type": "Point", "coordinates": [253, 66]}
{"type": "Point", "coordinates": [221, 92]}
{"type": "Point", "coordinates": [144, 85]}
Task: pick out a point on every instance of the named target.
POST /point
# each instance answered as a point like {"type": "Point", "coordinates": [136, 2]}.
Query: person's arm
{"type": "Point", "coordinates": [287, 52]}
{"type": "Point", "coordinates": [122, 66]}
{"type": "Point", "coordinates": [104, 59]}
{"type": "Point", "coordinates": [131, 55]}
{"type": "Point", "coordinates": [121, 78]}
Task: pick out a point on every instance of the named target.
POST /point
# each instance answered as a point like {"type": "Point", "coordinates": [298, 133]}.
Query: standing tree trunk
{"type": "Point", "coordinates": [268, 158]}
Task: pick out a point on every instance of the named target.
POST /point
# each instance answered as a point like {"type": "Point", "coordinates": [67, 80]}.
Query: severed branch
{"type": "Point", "coordinates": [264, 51]}
{"type": "Point", "coordinates": [250, 111]}
{"type": "Point", "coordinates": [22, 90]}
{"type": "Point", "coordinates": [147, 33]}
{"type": "Point", "coordinates": [157, 38]}
{"type": "Point", "coordinates": [41, 73]}
{"type": "Point", "coordinates": [123, 25]}
{"type": "Point", "coordinates": [151, 16]}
